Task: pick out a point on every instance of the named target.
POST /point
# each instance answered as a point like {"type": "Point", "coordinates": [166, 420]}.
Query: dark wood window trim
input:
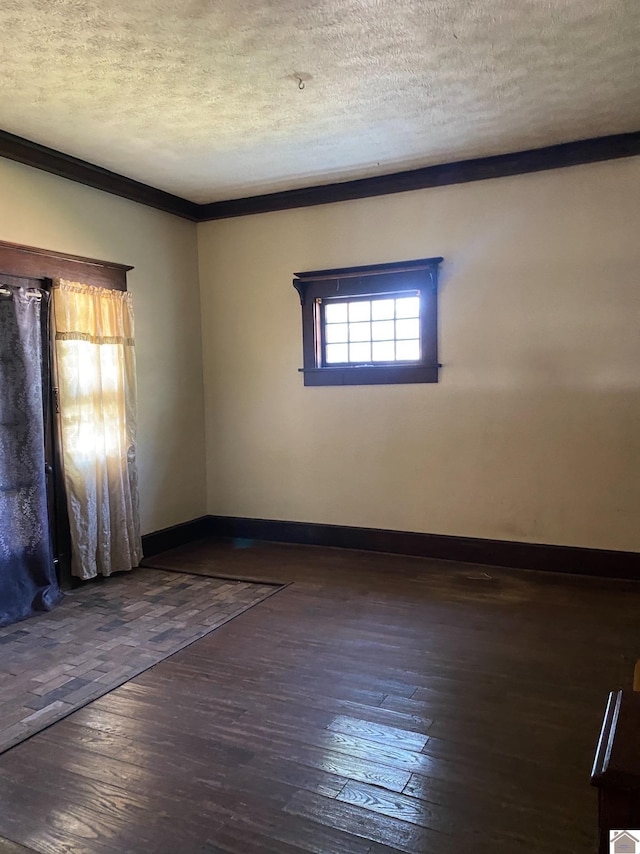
{"type": "Point", "coordinates": [317, 286]}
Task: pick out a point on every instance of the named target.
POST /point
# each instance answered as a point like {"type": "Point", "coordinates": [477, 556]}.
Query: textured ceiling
{"type": "Point", "coordinates": [199, 97]}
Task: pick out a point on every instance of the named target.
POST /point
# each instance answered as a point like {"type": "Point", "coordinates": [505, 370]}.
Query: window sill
{"type": "Point", "coordinates": [371, 375]}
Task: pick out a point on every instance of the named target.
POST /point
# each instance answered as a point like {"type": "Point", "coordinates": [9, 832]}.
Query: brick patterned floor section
{"type": "Point", "coordinates": [102, 635]}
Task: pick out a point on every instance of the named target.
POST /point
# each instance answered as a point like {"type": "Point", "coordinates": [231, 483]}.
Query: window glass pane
{"type": "Point", "coordinates": [383, 330]}
{"type": "Point", "coordinates": [337, 353]}
{"type": "Point", "coordinates": [360, 310]}
{"type": "Point", "coordinates": [360, 352]}
{"type": "Point", "coordinates": [408, 350]}
{"type": "Point", "coordinates": [364, 331]}
{"type": "Point", "coordinates": [335, 312]}
{"type": "Point", "coordinates": [382, 309]}
{"type": "Point", "coordinates": [407, 328]}
{"type": "Point", "coordinates": [336, 332]}
{"type": "Point", "coordinates": [408, 307]}
{"type": "Point", "coordinates": [359, 332]}
{"type": "Point", "coordinates": [383, 351]}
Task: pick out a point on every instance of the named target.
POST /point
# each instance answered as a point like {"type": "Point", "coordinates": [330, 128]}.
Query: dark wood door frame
{"type": "Point", "coordinates": [18, 260]}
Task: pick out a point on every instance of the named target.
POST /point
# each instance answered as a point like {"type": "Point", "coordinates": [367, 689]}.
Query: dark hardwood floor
{"type": "Point", "coordinates": [376, 704]}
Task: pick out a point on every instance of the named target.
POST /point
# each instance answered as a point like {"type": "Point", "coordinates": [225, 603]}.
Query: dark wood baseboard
{"type": "Point", "coordinates": [598, 562]}
{"type": "Point", "coordinates": [176, 535]}
{"type": "Point", "coordinates": [515, 555]}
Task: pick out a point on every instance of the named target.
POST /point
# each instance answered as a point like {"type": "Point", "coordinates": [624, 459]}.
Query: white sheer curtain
{"type": "Point", "coordinates": [96, 380]}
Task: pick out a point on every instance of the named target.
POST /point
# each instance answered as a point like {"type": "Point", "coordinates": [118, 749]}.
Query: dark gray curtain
{"type": "Point", "coordinates": [27, 574]}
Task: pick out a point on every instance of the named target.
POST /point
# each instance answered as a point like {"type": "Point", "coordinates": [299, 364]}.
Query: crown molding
{"type": "Point", "coordinates": [49, 160]}
{"type": "Point", "coordinates": [458, 172]}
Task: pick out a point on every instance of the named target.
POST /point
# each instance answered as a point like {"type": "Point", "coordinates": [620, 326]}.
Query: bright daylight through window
{"type": "Point", "coordinates": [372, 330]}
{"type": "Point", "coordinates": [370, 325]}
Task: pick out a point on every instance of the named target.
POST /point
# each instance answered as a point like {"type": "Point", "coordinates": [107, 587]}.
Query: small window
{"type": "Point", "coordinates": [370, 325]}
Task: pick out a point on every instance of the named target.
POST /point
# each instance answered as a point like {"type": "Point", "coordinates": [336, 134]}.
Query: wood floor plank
{"type": "Point", "coordinates": [342, 764]}
{"type": "Point", "coordinates": [395, 805]}
{"type": "Point", "coordinates": [380, 733]}
{"type": "Point", "coordinates": [191, 755]}
{"type": "Point", "coordinates": [302, 706]}
{"type": "Point", "coordinates": [9, 847]}
{"type": "Point", "coordinates": [240, 840]}
{"type": "Point", "coordinates": [296, 774]}
{"type": "Point", "coordinates": [300, 832]}
{"type": "Point", "coordinates": [252, 727]}
{"type": "Point", "coordinates": [377, 704]}
{"type": "Point", "coordinates": [70, 824]}
{"type": "Point", "coordinates": [175, 675]}
{"type": "Point", "coordinates": [378, 828]}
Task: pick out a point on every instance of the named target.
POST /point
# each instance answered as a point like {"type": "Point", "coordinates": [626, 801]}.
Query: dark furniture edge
{"type": "Point", "coordinates": [65, 166]}
{"type": "Point", "coordinates": [605, 742]}
{"type": "Point", "coordinates": [459, 172]}
{"type": "Point", "coordinates": [552, 558]}
{"type": "Point", "coordinates": [176, 535]}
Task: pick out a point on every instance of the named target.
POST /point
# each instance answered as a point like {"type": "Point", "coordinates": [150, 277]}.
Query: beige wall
{"type": "Point", "coordinates": [42, 210]}
{"type": "Point", "coordinates": [532, 434]}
